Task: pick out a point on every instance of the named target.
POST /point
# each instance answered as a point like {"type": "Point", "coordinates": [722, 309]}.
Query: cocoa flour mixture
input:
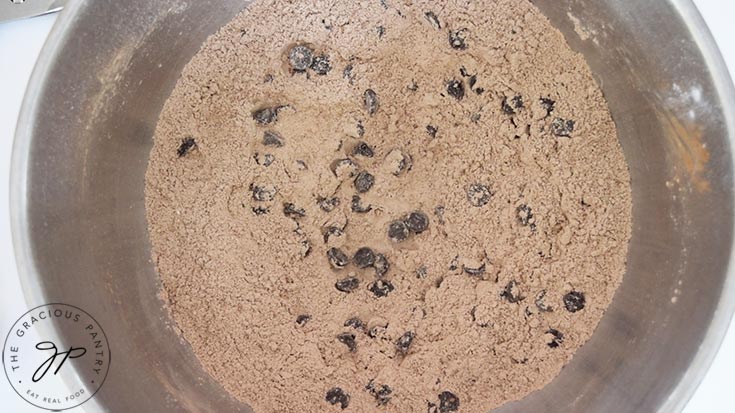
{"type": "Point", "coordinates": [387, 206]}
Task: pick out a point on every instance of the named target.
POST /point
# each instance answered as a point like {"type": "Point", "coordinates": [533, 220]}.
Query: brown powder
{"type": "Point", "coordinates": [482, 118]}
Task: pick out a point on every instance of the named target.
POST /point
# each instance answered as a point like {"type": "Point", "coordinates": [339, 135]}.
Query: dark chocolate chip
{"type": "Point", "coordinates": [475, 272]}
{"type": "Point", "coordinates": [455, 88]}
{"type": "Point", "coordinates": [321, 65]}
{"type": "Point", "coordinates": [363, 149]}
{"type": "Point", "coordinates": [364, 257]}
{"type": "Point", "coordinates": [448, 402]}
{"type": "Point", "coordinates": [479, 195]}
{"type": "Point", "coordinates": [327, 204]}
{"type": "Point", "coordinates": [381, 288]}
{"type": "Point", "coordinates": [348, 339]}
{"type": "Point", "coordinates": [480, 90]}
{"type": "Point", "coordinates": [556, 340]}
{"type": "Point", "coordinates": [303, 319]}
{"type": "Point", "coordinates": [540, 304]}
{"type": "Point", "coordinates": [548, 105]}
{"type": "Point", "coordinates": [381, 265]}
{"type": "Point", "coordinates": [272, 139]}
{"type": "Point", "coordinates": [458, 39]}
{"type": "Point", "coordinates": [264, 159]}
{"type": "Point", "coordinates": [433, 20]}
{"type": "Point", "coordinates": [300, 57]}
{"type": "Point", "coordinates": [364, 182]}
{"type": "Point", "coordinates": [344, 168]}
{"type": "Point", "coordinates": [403, 344]}
{"type": "Point", "coordinates": [355, 323]}
{"type": "Point", "coordinates": [381, 393]}
{"type": "Point", "coordinates": [263, 193]}
{"type": "Point", "coordinates": [562, 127]}
{"type": "Point", "coordinates": [305, 248]}
{"type": "Point", "coordinates": [574, 301]}
{"type": "Point", "coordinates": [357, 206]}
{"type": "Point", "coordinates": [422, 272]}
{"type": "Point", "coordinates": [513, 105]}
{"type": "Point", "coordinates": [417, 222]}
{"type": "Point", "coordinates": [332, 232]}
{"type": "Point", "coordinates": [291, 211]}
{"type": "Point", "coordinates": [432, 131]}
{"type": "Point", "coordinates": [266, 116]}
{"type": "Point", "coordinates": [260, 211]}
{"type": "Point", "coordinates": [398, 231]}
{"type": "Point", "coordinates": [347, 285]}
{"type": "Point", "coordinates": [336, 395]}
{"type": "Point", "coordinates": [370, 101]}
{"type": "Point", "coordinates": [187, 144]}
{"type": "Point", "coordinates": [525, 215]}
{"type": "Point", "coordinates": [337, 258]}
{"type": "Point", "coordinates": [512, 292]}
{"type": "Point", "coordinates": [347, 73]}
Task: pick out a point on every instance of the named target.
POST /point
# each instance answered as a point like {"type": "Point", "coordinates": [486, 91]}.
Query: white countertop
{"type": "Point", "coordinates": [20, 43]}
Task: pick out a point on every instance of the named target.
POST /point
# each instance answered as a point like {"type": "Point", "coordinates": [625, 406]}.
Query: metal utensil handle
{"type": "Point", "coordinates": [20, 9]}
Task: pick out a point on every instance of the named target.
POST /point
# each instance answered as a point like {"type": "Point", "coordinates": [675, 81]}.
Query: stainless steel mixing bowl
{"type": "Point", "coordinates": [80, 231]}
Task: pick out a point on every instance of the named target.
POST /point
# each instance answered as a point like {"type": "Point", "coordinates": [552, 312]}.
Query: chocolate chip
{"type": "Point", "coordinates": [480, 90]}
{"type": "Point", "coordinates": [337, 258]}
{"type": "Point", "coordinates": [417, 222]}
{"type": "Point", "coordinates": [266, 116]}
{"type": "Point", "coordinates": [432, 131]}
{"type": "Point", "coordinates": [347, 285]}
{"type": "Point", "coordinates": [260, 211]}
{"type": "Point", "coordinates": [327, 204]}
{"type": "Point", "coordinates": [336, 395]}
{"type": "Point", "coordinates": [381, 288]}
{"type": "Point", "coordinates": [305, 248]}
{"type": "Point", "coordinates": [370, 101]}
{"type": "Point", "coordinates": [548, 105]}
{"type": "Point", "coordinates": [556, 340]}
{"type": "Point", "coordinates": [540, 304]}
{"type": "Point", "coordinates": [381, 393]}
{"type": "Point", "coordinates": [403, 344]}
{"type": "Point", "coordinates": [187, 144]}
{"type": "Point", "coordinates": [513, 105]}
{"type": "Point", "coordinates": [562, 127]}
{"type": "Point", "coordinates": [381, 265]}
{"type": "Point", "coordinates": [433, 20]}
{"type": "Point", "coordinates": [398, 231]}
{"type": "Point", "coordinates": [363, 149]}
{"type": "Point", "coordinates": [479, 195]}
{"type": "Point", "coordinates": [422, 272]}
{"type": "Point", "coordinates": [332, 231]}
{"type": "Point", "coordinates": [291, 211]}
{"type": "Point", "coordinates": [448, 402]}
{"type": "Point", "coordinates": [473, 81]}
{"type": "Point", "coordinates": [360, 129]}
{"type": "Point", "coordinates": [300, 57]}
{"type": "Point", "coordinates": [348, 339]}
{"type": "Point", "coordinates": [272, 139]}
{"type": "Point", "coordinates": [475, 272]}
{"type": "Point", "coordinates": [364, 257]}
{"type": "Point", "coordinates": [303, 319]}
{"type": "Point", "coordinates": [574, 301]}
{"type": "Point", "coordinates": [344, 168]}
{"type": "Point", "coordinates": [512, 292]}
{"type": "Point", "coordinates": [364, 182]}
{"type": "Point", "coordinates": [264, 159]}
{"type": "Point", "coordinates": [525, 215]}
{"type": "Point", "coordinates": [321, 65]}
{"type": "Point", "coordinates": [347, 73]}
{"type": "Point", "coordinates": [455, 88]}
{"type": "Point", "coordinates": [413, 87]}
{"type": "Point", "coordinates": [355, 323]}
{"type": "Point", "coordinates": [357, 206]}
{"type": "Point", "coordinates": [263, 193]}
{"type": "Point", "coordinates": [458, 39]}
